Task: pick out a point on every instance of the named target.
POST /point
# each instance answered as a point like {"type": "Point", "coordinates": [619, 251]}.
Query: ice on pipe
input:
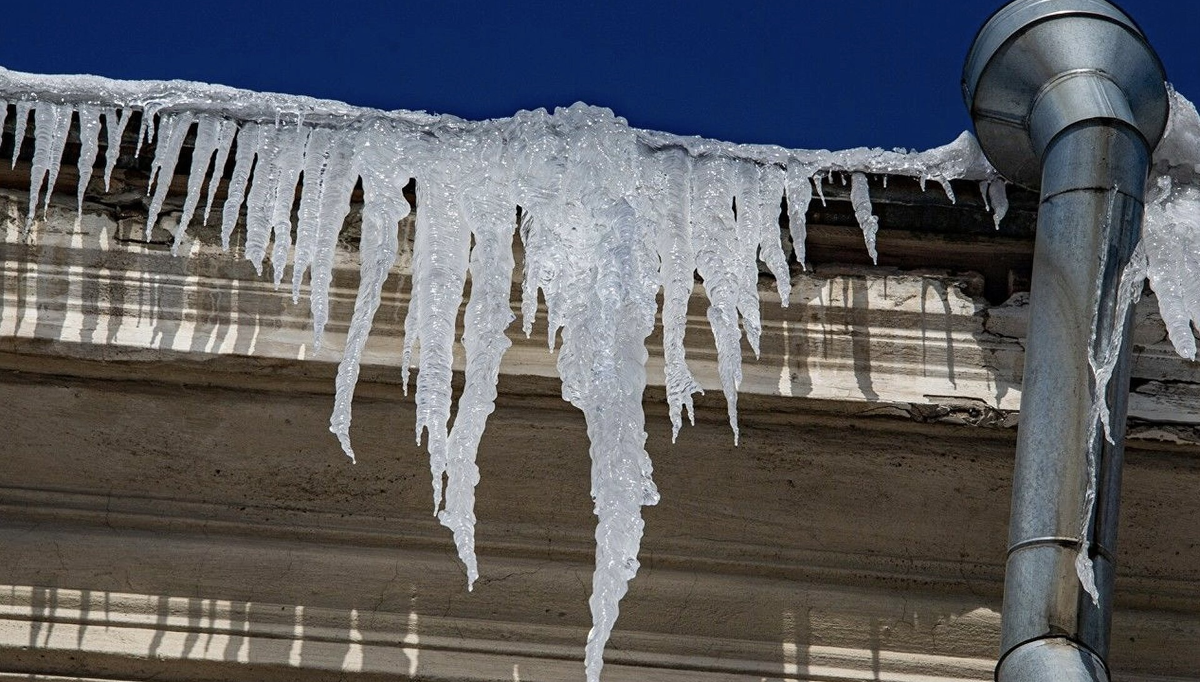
{"type": "Point", "coordinates": [608, 216]}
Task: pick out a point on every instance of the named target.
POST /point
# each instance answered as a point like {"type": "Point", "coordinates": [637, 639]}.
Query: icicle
{"type": "Point", "coordinates": [860, 199]}
{"type": "Point", "coordinates": [207, 129]}
{"type": "Point", "coordinates": [51, 122]}
{"type": "Point", "coordinates": [745, 253]}
{"type": "Point", "coordinates": [983, 192]}
{"type": "Point", "coordinates": [669, 204]}
{"type": "Point", "coordinates": [225, 135]}
{"type": "Point", "coordinates": [799, 195]}
{"type": "Point", "coordinates": [818, 182]}
{"type": "Point", "coordinates": [248, 139]}
{"type": "Point", "coordinates": [440, 254]}
{"type": "Point", "coordinates": [998, 195]}
{"type": "Point", "coordinates": [146, 130]}
{"type": "Point", "coordinates": [333, 204]}
{"type": "Point", "coordinates": [3, 117]}
{"type": "Point", "coordinates": [22, 120]}
{"type": "Point", "coordinates": [1171, 233]}
{"type": "Point", "coordinates": [491, 215]}
{"type": "Point", "coordinates": [316, 161]}
{"type": "Point", "coordinates": [1103, 360]}
{"type": "Point", "coordinates": [114, 126]}
{"type": "Point", "coordinates": [384, 207]}
{"type": "Point", "coordinates": [713, 229]}
{"type": "Point", "coordinates": [762, 189]}
{"type": "Point", "coordinates": [539, 155]}
{"type": "Point", "coordinates": [272, 194]}
{"type": "Point", "coordinates": [89, 147]}
{"type": "Point", "coordinates": [945, 183]}
{"type": "Point", "coordinates": [174, 130]}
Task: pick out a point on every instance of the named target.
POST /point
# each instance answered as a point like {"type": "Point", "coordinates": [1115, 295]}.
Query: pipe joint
{"type": "Point", "coordinates": [1052, 659]}
{"type": "Point", "coordinates": [1074, 97]}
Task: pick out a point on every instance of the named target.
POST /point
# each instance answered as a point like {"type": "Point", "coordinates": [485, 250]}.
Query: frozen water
{"type": "Point", "coordinates": [608, 216]}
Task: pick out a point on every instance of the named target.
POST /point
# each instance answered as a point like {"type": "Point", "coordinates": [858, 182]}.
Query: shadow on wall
{"type": "Point", "coordinates": [71, 632]}
{"type": "Point", "coordinates": [99, 284]}
{"type": "Point", "coordinates": [47, 631]}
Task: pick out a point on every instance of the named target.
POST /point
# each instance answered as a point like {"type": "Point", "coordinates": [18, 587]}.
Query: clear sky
{"type": "Point", "coordinates": [804, 73]}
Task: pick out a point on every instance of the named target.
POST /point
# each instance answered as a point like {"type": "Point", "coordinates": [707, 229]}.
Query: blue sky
{"type": "Point", "coordinates": [833, 73]}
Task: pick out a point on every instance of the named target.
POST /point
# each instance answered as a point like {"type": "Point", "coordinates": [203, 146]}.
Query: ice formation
{"type": "Point", "coordinates": [608, 216]}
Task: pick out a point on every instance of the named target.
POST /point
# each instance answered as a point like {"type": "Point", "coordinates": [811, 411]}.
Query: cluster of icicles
{"type": "Point", "coordinates": [608, 216]}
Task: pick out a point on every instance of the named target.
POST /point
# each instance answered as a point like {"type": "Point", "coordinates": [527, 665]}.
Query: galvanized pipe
{"type": "Point", "coordinates": [1088, 224]}
{"type": "Point", "coordinates": [1067, 97]}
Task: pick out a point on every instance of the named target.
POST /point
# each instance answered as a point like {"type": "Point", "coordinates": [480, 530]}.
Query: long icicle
{"type": "Point", "coordinates": [487, 207]}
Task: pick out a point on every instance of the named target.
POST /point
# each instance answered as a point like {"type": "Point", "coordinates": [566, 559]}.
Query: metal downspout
{"type": "Point", "coordinates": [1068, 97]}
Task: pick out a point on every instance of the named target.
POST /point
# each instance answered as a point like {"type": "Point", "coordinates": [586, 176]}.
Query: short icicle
{"type": "Point", "coordinates": [89, 148]}
{"type": "Point", "coordinates": [52, 122]}
{"type": "Point", "coordinates": [244, 160]}
{"type": "Point", "coordinates": [23, 108]}
{"type": "Point", "coordinates": [860, 200]}
{"type": "Point", "coordinates": [114, 127]}
{"type": "Point", "coordinates": [175, 128]}
{"type": "Point", "coordinates": [799, 195]}
{"type": "Point", "coordinates": [333, 205]}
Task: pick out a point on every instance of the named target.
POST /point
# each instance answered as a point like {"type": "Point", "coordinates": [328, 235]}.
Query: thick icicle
{"type": "Point", "coordinates": [607, 306]}
{"type": "Point", "coordinates": [440, 253]}
{"type": "Point", "coordinates": [670, 204]}
{"type": "Point", "coordinates": [860, 199]}
{"type": "Point", "coordinates": [114, 127]}
{"type": "Point", "coordinates": [487, 207]}
{"type": "Point", "coordinates": [52, 123]}
{"type": "Point", "coordinates": [716, 255]}
{"type": "Point", "coordinates": [170, 141]}
{"type": "Point", "coordinates": [799, 195]}
{"type": "Point", "coordinates": [89, 147]}
{"type": "Point", "coordinates": [22, 108]}
{"type": "Point", "coordinates": [380, 159]}
{"type": "Point", "coordinates": [247, 148]}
